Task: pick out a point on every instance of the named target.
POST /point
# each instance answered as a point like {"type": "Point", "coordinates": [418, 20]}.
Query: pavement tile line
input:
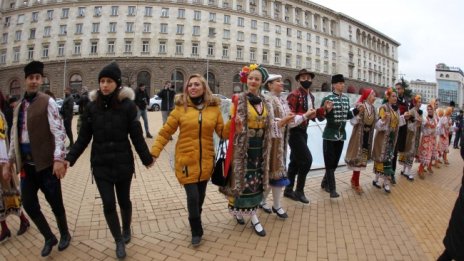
{"type": "Point", "coordinates": [408, 224]}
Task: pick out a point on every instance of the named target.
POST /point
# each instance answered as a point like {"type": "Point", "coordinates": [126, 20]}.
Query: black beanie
{"type": "Point", "coordinates": [337, 78]}
{"type": "Point", "coordinates": [111, 71]}
{"type": "Point", "coordinates": [33, 68]}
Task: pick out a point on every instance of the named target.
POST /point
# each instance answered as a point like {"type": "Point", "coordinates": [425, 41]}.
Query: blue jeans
{"type": "Point", "coordinates": [143, 113]}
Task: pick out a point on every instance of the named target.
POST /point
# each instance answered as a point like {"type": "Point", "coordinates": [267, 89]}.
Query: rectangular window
{"type": "Point", "coordinates": [326, 42]}
{"type": "Point", "coordinates": [3, 57]}
{"type": "Point", "coordinates": [308, 49]}
{"type": "Point", "coordinates": [210, 49]}
{"type": "Point", "coordinates": [162, 47]}
{"type": "Point", "coordinates": [129, 27]}
{"type": "Point", "coordinates": [97, 11]}
{"type": "Point", "coordinates": [47, 31]}
{"type": "Point", "coordinates": [30, 53]}
{"type": "Point", "coordinates": [211, 32]}
{"type": "Point", "coordinates": [266, 40]}
{"type": "Point", "coordinates": [309, 63]}
{"type": "Point", "coordinates": [298, 47]}
{"type": "Point", "coordinates": [112, 27]}
{"type": "Point", "coordinates": [318, 39]}
{"type": "Point", "coordinates": [278, 29]}
{"type": "Point", "coordinates": [16, 54]}
{"type": "Point", "coordinates": [128, 47]}
{"type": "Point", "coordinates": [130, 10]}
{"type": "Point", "coordinates": [308, 37]}
{"type": "Point", "coordinates": [164, 12]}
{"type": "Point", "coordinates": [179, 48]}
{"type": "Point", "coordinates": [299, 34]}
{"type": "Point", "coordinates": [20, 19]}
{"type": "Point", "coordinates": [212, 17]}
{"type": "Point", "coordinates": [95, 27]}
{"type": "Point", "coordinates": [35, 16]}
{"type": "Point", "coordinates": [298, 61]}
{"type": "Point", "coordinates": [181, 13]}
{"type": "Point", "coordinates": [254, 38]}
{"type": "Point", "coordinates": [288, 60]}
{"type": "Point", "coordinates": [241, 21]}
{"type": "Point", "coordinates": [49, 14]}
{"type": "Point", "coordinates": [5, 38]}
{"type": "Point", "coordinates": [194, 49]}
{"type": "Point", "coordinates": [81, 12]}
{"type": "Point", "coordinates": [180, 29]}
{"type": "Point", "coordinates": [7, 21]}
{"type": "Point", "coordinates": [318, 51]}
{"type": "Point", "coordinates": [78, 29]}
{"type": "Point", "coordinates": [93, 47]}
{"type": "Point", "coordinates": [289, 45]}
{"type": "Point", "coordinates": [239, 52]}
{"type": "Point", "coordinates": [164, 28]}
{"type": "Point", "coordinates": [18, 35]}
{"type": "Point", "coordinates": [277, 58]}
{"type": "Point", "coordinates": [146, 27]}
{"type": "Point", "coordinates": [196, 30]}
{"type": "Point", "coordinates": [252, 54]}
{"type": "Point", "coordinates": [226, 34]}
{"type": "Point", "coordinates": [240, 36]}
{"type": "Point", "coordinates": [45, 51]}
{"type": "Point", "coordinates": [333, 44]}
{"type": "Point", "coordinates": [277, 42]}
{"type": "Point", "coordinates": [114, 10]}
{"type": "Point", "coordinates": [77, 48]}
{"type": "Point", "coordinates": [197, 15]}
{"type": "Point", "coordinates": [254, 24]}
{"type": "Point", "coordinates": [110, 47]}
{"type": "Point", "coordinates": [289, 32]}
{"type": "Point", "coordinates": [148, 11]}
{"type": "Point", "coordinates": [265, 56]}
{"type": "Point", "coordinates": [61, 49]}
{"type": "Point", "coordinates": [225, 51]}
{"type": "Point", "coordinates": [145, 47]}
{"type": "Point", "coordinates": [32, 33]}
{"type": "Point", "coordinates": [266, 27]}
{"type": "Point", "coordinates": [226, 19]}
{"type": "Point", "coordinates": [326, 54]}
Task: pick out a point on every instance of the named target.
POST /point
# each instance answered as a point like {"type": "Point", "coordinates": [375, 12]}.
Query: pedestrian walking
{"type": "Point", "coordinates": [167, 100]}
{"type": "Point", "coordinates": [67, 112]}
{"type": "Point", "coordinates": [142, 99]}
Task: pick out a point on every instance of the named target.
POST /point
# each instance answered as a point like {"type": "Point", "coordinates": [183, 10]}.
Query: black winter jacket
{"type": "Point", "coordinates": [110, 124]}
{"type": "Point", "coordinates": [167, 99]}
{"type": "Point", "coordinates": [141, 99]}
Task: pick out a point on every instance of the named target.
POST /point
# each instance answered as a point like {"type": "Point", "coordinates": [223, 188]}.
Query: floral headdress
{"type": "Point", "coordinates": [388, 93]}
{"type": "Point", "coordinates": [416, 99]}
{"type": "Point", "coordinates": [247, 69]}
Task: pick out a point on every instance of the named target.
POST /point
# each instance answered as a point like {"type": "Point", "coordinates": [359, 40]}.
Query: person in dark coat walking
{"type": "Point", "coordinates": [167, 100]}
{"type": "Point", "coordinates": [454, 238]}
{"type": "Point", "coordinates": [142, 99]}
{"type": "Point", "coordinates": [82, 103]}
{"type": "Point", "coordinates": [109, 119]}
{"type": "Point", "coordinates": [67, 111]}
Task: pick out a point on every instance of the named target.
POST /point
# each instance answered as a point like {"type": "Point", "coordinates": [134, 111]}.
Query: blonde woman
{"type": "Point", "coordinates": [197, 115]}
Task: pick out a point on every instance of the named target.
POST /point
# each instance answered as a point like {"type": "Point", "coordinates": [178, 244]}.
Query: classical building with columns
{"type": "Point", "coordinates": [427, 90]}
{"type": "Point", "coordinates": [156, 40]}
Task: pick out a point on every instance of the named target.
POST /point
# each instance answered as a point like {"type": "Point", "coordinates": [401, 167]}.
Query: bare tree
{"type": "Point", "coordinates": [129, 77]}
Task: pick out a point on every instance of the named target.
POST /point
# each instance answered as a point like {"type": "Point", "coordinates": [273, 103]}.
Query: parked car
{"type": "Point", "coordinates": [59, 102]}
{"type": "Point", "coordinates": [155, 103]}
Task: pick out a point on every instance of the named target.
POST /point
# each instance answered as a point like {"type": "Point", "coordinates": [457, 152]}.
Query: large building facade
{"type": "Point", "coordinates": [427, 90]}
{"type": "Point", "coordinates": [155, 41]}
{"type": "Point", "coordinates": [450, 84]}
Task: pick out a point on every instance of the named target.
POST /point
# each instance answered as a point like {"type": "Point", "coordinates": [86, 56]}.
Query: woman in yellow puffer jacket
{"type": "Point", "coordinates": [197, 114]}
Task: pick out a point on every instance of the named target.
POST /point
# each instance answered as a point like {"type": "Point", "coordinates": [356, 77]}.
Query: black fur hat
{"type": "Point", "coordinates": [33, 68]}
{"type": "Point", "coordinates": [111, 71]}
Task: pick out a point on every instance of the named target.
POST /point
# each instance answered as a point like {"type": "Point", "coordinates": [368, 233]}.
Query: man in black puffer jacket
{"type": "Point", "coordinates": [110, 118]}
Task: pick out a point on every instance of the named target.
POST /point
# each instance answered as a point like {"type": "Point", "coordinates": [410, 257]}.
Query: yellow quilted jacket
{"type": "Point", "coordinates": [194, 155]}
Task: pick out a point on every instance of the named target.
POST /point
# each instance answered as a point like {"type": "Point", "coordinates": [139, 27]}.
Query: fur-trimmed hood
{"type": "Point", "coordinates": [179, 100]}
{"type": "Point", "coordinates": [124, 93]}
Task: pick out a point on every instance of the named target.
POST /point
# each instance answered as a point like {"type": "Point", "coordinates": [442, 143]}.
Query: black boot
{"type": "Point", "coordinates": [50, 239]}
{"type": "Point", "coordinates": [299, 192]}
{"type": "Point", "coordinates": [288, 193]}
{"type": "Point", "coordinates": [197, 231]}
{"type": "Point", "coordinates": [126, 216]}
{"type": "Point", "coordinates": [324, 185]}
{"type": "Point", "coordinates": [112, 220]}
{"type": "Point", "coordinates": [331, 183]}
{"type": "Point", "coordinates": [64, 232]}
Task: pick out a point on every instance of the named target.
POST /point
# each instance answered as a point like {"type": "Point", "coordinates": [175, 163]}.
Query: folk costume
{"type": "Point", "coordinates": [360, 145]}
{"type": "Point", "coordinates": [427, 143]}
{"type": "Point", "coordinates": [403, 106]}
{"type": "Point", "coordinates": [334, 134]}
{"type": "Point", "coordinates": [385, 140]}
{"type": "Point", "coordinates": [299, 101]}
{"type": "Point", "coordinates": [414, 125]}
{"type": "Point", "coordinates": [443, 129]}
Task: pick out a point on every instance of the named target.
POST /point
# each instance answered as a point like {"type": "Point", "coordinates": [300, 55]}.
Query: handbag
{"type": "Point", "coordinates": [220, 175]}
{"type": "Point", "coordinates": [222, 166]}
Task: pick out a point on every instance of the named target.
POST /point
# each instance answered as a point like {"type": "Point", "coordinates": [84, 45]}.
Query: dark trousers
{"type": "Point", "coordinates": [196, 193]}
{"type": "Point", "coordinates": [332, 152]}
{"type": "Point", "coordinates": [456, 138]}
{"type": "Point", "coordinates": [300, 159]}
{"type": "Point", "coordinates": [67, 126]}
{"type": "Point", "coordinates": [51, 188]}
{"type": "Point", "coordinates": [107, 191]}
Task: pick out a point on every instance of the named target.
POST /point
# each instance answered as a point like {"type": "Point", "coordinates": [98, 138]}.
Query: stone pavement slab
{"type": "Point", "coordinates": [408, 224]}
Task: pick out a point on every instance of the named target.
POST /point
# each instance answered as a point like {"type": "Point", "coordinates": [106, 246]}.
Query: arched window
{"type": "Point", "coordinates": [236, 84]}
{"type": "Point", "coordinates": [177, 79]}
{"type": "Point", "coordinates": [45, 85]}
{"type": "Point", "coordinates": [144, 78]}
{"type": "Point", "coordinates": [75, 83]}
{"type": "Point", "coordinates": [287, 85]}
{"type": "Point", "coordinates": [211, 79]}
{"type": "Point", "coordinates": [15, 89]}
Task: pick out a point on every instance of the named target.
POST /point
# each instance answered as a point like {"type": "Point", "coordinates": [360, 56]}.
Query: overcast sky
{"type": "Point", "coordinates": [429, 31]}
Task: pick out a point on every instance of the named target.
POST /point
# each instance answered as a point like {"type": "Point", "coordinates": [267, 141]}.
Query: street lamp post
{"type": "Point", "coordinates": [64, 75]}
